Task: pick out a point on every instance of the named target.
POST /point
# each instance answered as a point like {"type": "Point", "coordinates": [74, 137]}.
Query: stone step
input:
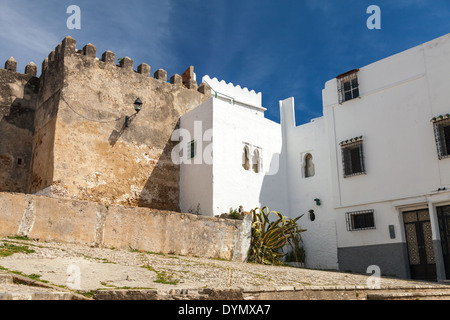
{"type": "Point", "coordinates": [409, 296]}
{"type": "Point", "coordinates": [6, 278]}
{"type": "Point", "coordinates": [173, 294]}
{"type": "Point", "coordinates": [36, 296]}
{"type": "Point", "coordinates": [17, 287]}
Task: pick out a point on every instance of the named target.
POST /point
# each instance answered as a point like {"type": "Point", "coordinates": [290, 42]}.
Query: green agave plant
{"type": "Point", "coordinates": [269, 238]}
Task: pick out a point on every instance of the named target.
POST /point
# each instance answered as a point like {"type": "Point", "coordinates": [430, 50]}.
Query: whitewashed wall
{"type": "Point", "coordinates": [196, 180]}
{"type": "Point", "coordinates": [234, 127]}
{"type": "Point", "coordinates": [226, 184]}
{"type": "Point", "coordinates": [247, 99]}
{"type": "Point", "coordinates": [320, 240]}
{"type": "Point", "coordinates": [399, 97]}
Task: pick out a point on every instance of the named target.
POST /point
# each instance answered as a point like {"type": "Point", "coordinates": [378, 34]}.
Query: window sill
{"type": "Point", "coordinates": [343, 102]}
{"type": "Point", "coordinates": [355, 174]}
{"type": "Point", "coordinates": [362, 229]}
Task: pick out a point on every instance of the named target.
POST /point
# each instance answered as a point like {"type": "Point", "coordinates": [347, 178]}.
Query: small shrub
{"type": "Point", "coordinates": [19, 238]}
{"type": "Point", "coordinates": [9, 249]}
{"type": "Point", "coordinates": [234, 214]}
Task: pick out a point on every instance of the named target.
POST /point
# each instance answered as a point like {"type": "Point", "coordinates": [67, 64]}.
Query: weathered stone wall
{"type": "Point", "coordinates": [96, 157]}
{"type": "Point", "coordinates": [71, 131]}
{"type": "Point", "coordinates": [84, 222]}
{"type": "Point", "coordinates": [48, 101]}
{"type": "Point", "coordinates": [18, 94]}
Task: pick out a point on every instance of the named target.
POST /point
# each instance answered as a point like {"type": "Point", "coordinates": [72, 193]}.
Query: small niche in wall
{"type": "Point", "coordinates": [246, 158]}
{"type": "Point", "coordinates": [20, 161]}
{"type": "Point", "coordinates": [308, 166]}
{"type": "Point", "coordinates": [256, 161]}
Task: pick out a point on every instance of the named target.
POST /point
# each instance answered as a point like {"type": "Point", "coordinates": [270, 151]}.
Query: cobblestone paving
{"type": "Point", "coordinates": [102, 268]}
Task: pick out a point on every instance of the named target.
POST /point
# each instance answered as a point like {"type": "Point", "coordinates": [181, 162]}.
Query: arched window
{"type": "Point", "coordinates": [309, 166]}
{"type": "Point", "coordinates": [256, 161]}
{"type": "Point", "coordinates": [246, 158]}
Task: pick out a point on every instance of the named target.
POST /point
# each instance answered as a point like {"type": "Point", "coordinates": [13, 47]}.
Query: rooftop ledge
{"type": "Point", "coordinates": [236, 94]}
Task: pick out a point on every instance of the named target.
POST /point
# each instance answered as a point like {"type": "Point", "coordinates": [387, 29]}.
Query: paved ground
{"type": "Point", "coordinates": [111, 269]}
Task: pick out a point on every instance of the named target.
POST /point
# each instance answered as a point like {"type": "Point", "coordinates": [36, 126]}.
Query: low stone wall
{"type": "Point", "coordinates": [83, 222]}
{"type": "Point", "coordinates": [281, 294]}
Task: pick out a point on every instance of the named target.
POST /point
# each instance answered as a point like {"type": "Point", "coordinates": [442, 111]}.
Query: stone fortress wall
{"type": "Point", "coordinates": [65, 133]}
{"type": "Point", "coordinates": [72, 171]}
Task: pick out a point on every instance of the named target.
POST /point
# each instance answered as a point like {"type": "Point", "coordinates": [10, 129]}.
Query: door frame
{"type": "Point", "coordinates": [432, 205]}
{"type": "Point", "coordinates": [418, 226]}
{"type": "Point", "coordinates": [443, 275]}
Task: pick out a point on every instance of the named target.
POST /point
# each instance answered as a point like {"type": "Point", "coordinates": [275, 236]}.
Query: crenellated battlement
{"type": "Point", "coordinates": [237, 93]}
{"type": "Point", "coordinates": [30, 69]}
{"type": "Point", "coordinates": [74, 132]}
{"type": "Point", "coordinates": [68, 47]}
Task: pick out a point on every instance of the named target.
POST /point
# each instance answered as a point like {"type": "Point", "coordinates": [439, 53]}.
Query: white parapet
{"type": "Point", "coordinates": [239, 95]}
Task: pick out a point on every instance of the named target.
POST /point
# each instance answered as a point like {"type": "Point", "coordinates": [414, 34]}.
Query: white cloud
{"type": "Point", "coordinates": [138, 29]}
{"type": "Point", "coordinates": [24, 27]}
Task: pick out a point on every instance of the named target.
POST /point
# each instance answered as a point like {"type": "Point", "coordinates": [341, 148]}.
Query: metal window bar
{"type": "Point", "coordinates": [442, 135]}
{"type": "Point", "coordinates": [348, 87]}
{"type": "Point", "coordinates": [348, 167]}
{"type": "Point", "coordinates": [447, 138]}
{"type": "Point", "coordinates": [360, 220]}
{"type": "Point", "coordinates": [346, 162]}
{"type": "Point", "coordinates": [361, 158]}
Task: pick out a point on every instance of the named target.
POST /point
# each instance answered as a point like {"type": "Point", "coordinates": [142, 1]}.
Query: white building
{"type": "Point", "coordinates": [245, 150]}
{"type": "Point", "coordinates": [375, 169]}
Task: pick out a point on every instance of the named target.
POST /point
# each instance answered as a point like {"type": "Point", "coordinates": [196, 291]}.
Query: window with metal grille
{"type": "Point", "coordinates": [353, 157]}
{"type": "Point", "coordinates": [192, 149]}
{"type": "Point", "coordinates": [348, 86]}
{"type": "Point", "coordinates": [442, 134]}
{"type": "Point", "coordinates": [360, 220]}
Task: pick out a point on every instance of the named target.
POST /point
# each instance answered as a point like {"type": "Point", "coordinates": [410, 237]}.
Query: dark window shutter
{"type": "Point", "coordinates": [192, 149]}
{"type": "Point", "coordinates": [346, 158]}
{"type": "Point", "coordinates": [446, 139]}
{"type": "Point", "coordinates": [347, 86]}
{"type": "Point", "coordinates": [361, 158]}
{"type": "Point", "coordinates": [356, 160]}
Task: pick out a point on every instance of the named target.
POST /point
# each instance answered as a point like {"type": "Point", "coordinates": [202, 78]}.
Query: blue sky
{"type": "Point", "coordinates": [280, 48]}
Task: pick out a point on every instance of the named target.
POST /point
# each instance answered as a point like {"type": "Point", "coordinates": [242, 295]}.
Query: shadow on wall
{"type": "Point", "coordinates": [274, 186]}
{"type": "Point", "coordinates": [161, 190]}
{"type": "Point", "coordinates": [115, 135]}
{"type": "Point", "coordinates": [16, 142]}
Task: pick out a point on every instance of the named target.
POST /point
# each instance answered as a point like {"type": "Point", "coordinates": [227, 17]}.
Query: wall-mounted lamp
{"type": "Point", "coordinates": [312, 215]}
{"type": "Point", "coordinates": [318, 202]}
{"type": "Point", "coordinates": [137, 107]}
